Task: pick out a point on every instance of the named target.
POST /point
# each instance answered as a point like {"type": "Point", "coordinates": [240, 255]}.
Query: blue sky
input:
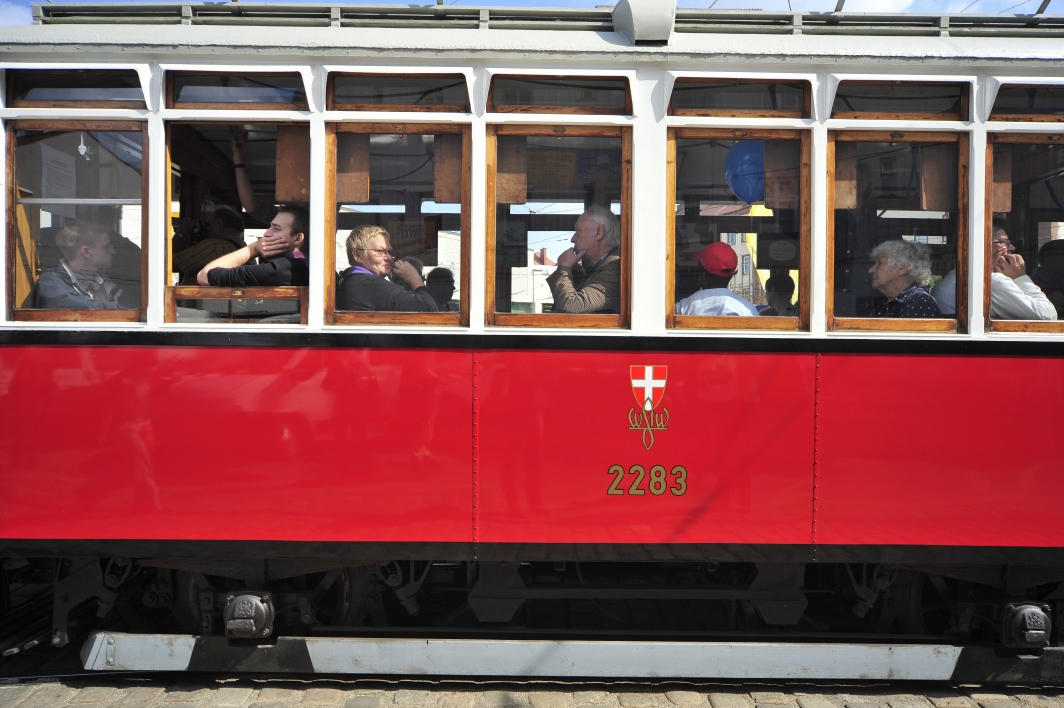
{"type": "Point", "coordinates": [17, 12]}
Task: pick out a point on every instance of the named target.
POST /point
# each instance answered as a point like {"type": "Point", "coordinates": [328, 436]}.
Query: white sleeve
{"type": "Point", "coordinates": [1018, 299]}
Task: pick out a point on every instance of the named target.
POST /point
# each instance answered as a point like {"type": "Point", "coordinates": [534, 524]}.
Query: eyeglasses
{"type": "Point", "coordinates": [1006, 242]}
{"type": "Point", "coordinates": [379, 251]}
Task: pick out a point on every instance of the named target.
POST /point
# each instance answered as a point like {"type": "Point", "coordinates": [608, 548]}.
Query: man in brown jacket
{"type": "Point", "coordinates": [588, 277]}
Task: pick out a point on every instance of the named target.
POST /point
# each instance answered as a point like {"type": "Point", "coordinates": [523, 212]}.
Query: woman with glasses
{"type": "Point", "coordinates": [365, 286]}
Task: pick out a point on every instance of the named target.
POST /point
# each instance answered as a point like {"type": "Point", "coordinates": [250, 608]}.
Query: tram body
{"type": "Point", "coordinates": [481, 473]}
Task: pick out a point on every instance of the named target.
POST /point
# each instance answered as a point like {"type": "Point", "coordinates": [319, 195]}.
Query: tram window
{"type": "Point", "coordinates": [254, 91]}
{"type": "Point", "coordinates": [1025, 237]}
{"type": "Point", "coordinates": [401, 224]}
{"type": "Point", "coordinates": [901, 100]}
{"type": "Point", "coordinates": [721, 97]}
{"type": "Point", "coordinates": [229, 186]}
{"type": "Point", "coordinates": [558, 254]}
{"type": "Point", "coordinates": [559, 94]}
{"type": "Point", "coordinates": [1027, 103]}
{"type": "Point", "coordinates": [42, 88]}
{"type": "Point", "coordinates": [76, 245]}
{"type": "Point", "coordinates": [740, 239]}
{"type": "Point", "coordinates": [899, 231]}
{"type": "Point", "coordinates": [374, 92]}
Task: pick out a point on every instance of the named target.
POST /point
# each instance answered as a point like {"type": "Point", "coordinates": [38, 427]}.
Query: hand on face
{"type": "Point", "coordinates": [570, 257]}
{"type": "Point", "coordinates": [271, 245]}
{"type": "Point", "coordinates": [408, 274]}
{"type": "Point", "coordinates": [1012, 265]}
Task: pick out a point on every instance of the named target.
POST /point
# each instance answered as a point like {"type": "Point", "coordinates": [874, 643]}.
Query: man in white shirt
{"type": "Point", "coordinates": [1013, 295]}
{"type": "Point", "coordinates": [719, 263]}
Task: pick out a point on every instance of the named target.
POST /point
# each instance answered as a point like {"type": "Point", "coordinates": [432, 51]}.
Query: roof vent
{"type": "Point", "coordinates": [645, 21]}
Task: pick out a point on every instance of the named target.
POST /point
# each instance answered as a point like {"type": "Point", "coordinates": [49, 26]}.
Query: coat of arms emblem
{"type": "Point", "coordinates": [648, 387]}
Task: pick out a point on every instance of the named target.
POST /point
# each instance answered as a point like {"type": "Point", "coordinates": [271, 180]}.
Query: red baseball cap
{"type": "Point", "coordinates": [718, 258]}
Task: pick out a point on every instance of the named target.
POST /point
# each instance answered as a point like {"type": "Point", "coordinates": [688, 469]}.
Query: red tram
{"type": "Point", "coordinates": [260, 476]}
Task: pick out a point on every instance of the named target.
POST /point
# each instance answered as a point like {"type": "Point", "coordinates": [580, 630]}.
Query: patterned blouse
{"type": "Point", "coordinates": [913, 301]}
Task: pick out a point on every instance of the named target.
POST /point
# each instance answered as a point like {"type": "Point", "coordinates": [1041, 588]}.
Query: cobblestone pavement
{"type": "Point", "coordinates": [354, 694]}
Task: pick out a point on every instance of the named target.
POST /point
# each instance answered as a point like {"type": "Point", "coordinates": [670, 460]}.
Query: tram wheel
{"type": "Point", "coordinates": [926, 605]}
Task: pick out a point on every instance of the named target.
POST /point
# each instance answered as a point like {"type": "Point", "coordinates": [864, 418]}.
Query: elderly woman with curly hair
{"type": "Point", "coordinates": [902, 269]}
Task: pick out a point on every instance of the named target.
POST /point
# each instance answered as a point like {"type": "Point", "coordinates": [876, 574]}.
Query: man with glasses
{"type": "Point", "coordinates": [78, 281]}
{"type": "Point", "coordinates": [1013, 295]}
{"type": "Point", "coordinates": [588, 277]}
{"type": "Point", "coordinates": [364, 287]}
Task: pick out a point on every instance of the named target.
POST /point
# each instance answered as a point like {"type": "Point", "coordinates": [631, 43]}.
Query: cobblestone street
{"type": "Point", "coordinates": [324, 694]}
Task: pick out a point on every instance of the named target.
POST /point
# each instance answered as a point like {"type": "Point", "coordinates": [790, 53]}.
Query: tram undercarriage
{"type": "Point", "coordinates": [61, 601]}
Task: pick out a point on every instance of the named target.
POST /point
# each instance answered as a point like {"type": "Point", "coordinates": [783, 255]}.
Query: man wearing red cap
{"type": "Point", "coordinates": [719, 263]}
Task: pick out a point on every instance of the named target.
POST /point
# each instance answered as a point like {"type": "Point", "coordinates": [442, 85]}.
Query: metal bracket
{"type": "Point", "coordinates": [83, 582]}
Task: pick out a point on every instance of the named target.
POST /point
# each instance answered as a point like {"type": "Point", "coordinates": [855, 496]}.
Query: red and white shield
{"type": "Point", "coordinates": [648, 385]}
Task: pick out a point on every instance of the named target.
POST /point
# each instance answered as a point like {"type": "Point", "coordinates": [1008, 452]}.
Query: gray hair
{"type": "Point", "coordinates": [608, 221]}
{"type": "Point", "coordinates": [907, 253]}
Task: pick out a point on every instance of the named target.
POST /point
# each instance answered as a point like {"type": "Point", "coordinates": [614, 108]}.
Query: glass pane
{"type": "Point", "coordinates": [737, 96]}
{"type": "Point", "coordinates": [942, 99]}
{"type": "Point", "coordinates": [417, 91]}
{"type": "Point", "coordinates": [226, 88]}
{"type": "Point", "coordinates": [234, 187]}
{"type": "Point", "coordinates": [737, 227]}
{"type": "Point", "coordinates": [1027, 256]}
{"type": "Point", "coordinates": [895, 229]}
{"type": "Point", "coordinates": [599, 95]}
{"type": "Point", "coordinates": [75, 86]}
{"type": "Point", "coordinates": [398, 222]}
{"type": "Point", "coordinates": [557, 225]}
{"type": "Point", "coordinates": [77, 220]}
{"type": "Point", "coordinates": [1029, 100]}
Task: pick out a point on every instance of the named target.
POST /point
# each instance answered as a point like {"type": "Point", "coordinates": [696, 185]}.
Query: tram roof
{"type": "Point", "coordinates": [555, 19]}
{"type": "Point", "coordinates": [532, 36]}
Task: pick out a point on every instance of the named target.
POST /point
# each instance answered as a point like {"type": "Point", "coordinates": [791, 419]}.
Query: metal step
{"type": "Point", "coordinates": [113, 651]}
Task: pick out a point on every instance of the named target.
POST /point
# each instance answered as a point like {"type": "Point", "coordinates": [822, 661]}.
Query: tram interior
{"type": "Point", "coordinates": [77, 175]}
{"type": "Point", "coordinates": [543, 185]}
{"type": "Point", "coordinates": [745, 193]}
{"type": "Point", "coordinates": [1028, 201]}
{"type": "Point", "coordinates": [203, 179]}
{"type": "Point", "coordinates": [410, 184]}
{"type": "Point", "coordinates": [888, 191]}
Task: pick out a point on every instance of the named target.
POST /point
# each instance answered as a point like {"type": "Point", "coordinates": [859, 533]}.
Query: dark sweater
{"type": "Point", "coordinates": [285, 270]}
{"type": "Point", "coordinates": [363, 292]}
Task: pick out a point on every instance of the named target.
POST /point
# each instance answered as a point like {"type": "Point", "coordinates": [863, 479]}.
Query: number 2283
{"type": "Point", "coordinates": [674, 480]}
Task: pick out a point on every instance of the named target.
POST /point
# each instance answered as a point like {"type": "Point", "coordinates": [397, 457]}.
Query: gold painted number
{"type": "Point", "coordinates": [658, 483]}
{"type": "Point", "coordinates": [618, 473]}
{"type": "Point", "coordinates": [635, 490]}
{"type": "Point", "coordinates": [681, 480]}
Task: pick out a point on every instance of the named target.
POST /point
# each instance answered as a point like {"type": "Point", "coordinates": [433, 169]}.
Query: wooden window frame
{"type": "Point", "coordinates": [1029, 326]}
{"type": "Point", "coordinates": [349, 317]}
{"type": "Point", "coordinates": [1027, 117]}
{"type": "Point", "coordinates": [201, 292]}
{"type": "Point", "coordinates": [800, 323]}
{"type": "Point", "coordinates": [570, 110]}
{"type": "Point", "coordinates": [964, 115]}
{"type": "Point", "coordinates": [117, 104]}
{"type": "Point", "coordinates": [623, 319]}
{"type": "Point", "coordinates": [172, 293]}
{"type": "Point", "coordinates": [332, 105]}
{"type": "Point", "coordinates": [807, 100]}
{"type": "Point", "coordinates": [173, 103]}
{"type": "Point", "coordinates": [959, 322]}
{"type": "Point", "coordinates": [38, 315]}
